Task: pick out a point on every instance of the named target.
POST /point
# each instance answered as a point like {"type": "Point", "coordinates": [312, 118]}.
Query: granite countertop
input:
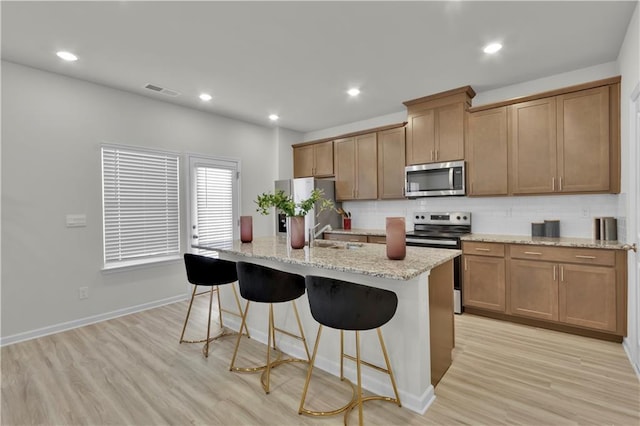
{"type": "Point", "coordinates": [368, 259]}
{"type": "Point", "coordinates": [546, 241]}
{"type": "Point", "coordinates": [355, 231]}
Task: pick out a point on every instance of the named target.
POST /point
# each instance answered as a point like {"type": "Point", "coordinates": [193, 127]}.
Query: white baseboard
{"type": "Point", "coordinates": [636, 367]}
{"type": "Point", "coordinates": [418, 404]}
{"type": "Point", "coordinates": [57, 328]}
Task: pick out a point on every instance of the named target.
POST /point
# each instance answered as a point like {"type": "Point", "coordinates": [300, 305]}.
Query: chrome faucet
{"type": "Point", "coordinates": [313, 235]}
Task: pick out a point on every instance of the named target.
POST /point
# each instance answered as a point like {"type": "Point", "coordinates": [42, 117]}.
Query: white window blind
{"type": "Point", "coordinates": [141, 210]}
{"type": "Point", "coordinates": [214, 205]}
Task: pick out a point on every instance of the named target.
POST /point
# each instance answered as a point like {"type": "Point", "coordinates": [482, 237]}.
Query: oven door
{"type": "Point", "coordinates": [443, 243]}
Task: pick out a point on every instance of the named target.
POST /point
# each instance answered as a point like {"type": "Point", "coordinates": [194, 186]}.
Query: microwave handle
{"type": "Point", "coordinates": [451, 177]}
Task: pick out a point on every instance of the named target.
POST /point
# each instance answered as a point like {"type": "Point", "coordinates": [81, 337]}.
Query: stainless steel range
{"type": "Point", "coordinates": [442, 230]}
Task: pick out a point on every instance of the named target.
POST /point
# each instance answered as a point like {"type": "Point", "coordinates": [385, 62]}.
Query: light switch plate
{"type": "Point", "coordinates": [76, 220]}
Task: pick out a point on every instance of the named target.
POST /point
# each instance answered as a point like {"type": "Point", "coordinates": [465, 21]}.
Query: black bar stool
{"type": "Point", "coordinates": [266, 285]}
{"type": "Point", "coordinates": [348, 306]}
{"type": "Point", "coordinates": [210, 272]}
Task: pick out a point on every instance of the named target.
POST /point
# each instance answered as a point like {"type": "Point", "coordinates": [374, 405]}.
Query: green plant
{"type": "Point", "coordinates": [286, 204]}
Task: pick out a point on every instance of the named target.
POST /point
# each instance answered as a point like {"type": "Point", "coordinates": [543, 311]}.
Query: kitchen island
{"type": "Point", "coordinates": [419, 337]}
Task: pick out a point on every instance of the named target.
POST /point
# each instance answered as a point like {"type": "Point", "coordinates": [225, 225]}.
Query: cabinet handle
{"type": "Point", "coordinates": [580, 256]}
{"type": "Point", "coordinates": [436, 155]}
{"type": "Point", "coordinates": [553, 183]}
{"type": "Point", "coordinates": [554, 272]}
{"type": "Point", "coordinates": [431, 155]}
{"type": "Point", "coordinates": [482, 249]}
{"type": "Point", "coordinates": [562, 274]}
{"type": "Point", "coordinates": [537, 253]}
{"type": "Point", "coordinates": [465, 264]}
{"type": "Point", "coordinates": [560, 183]}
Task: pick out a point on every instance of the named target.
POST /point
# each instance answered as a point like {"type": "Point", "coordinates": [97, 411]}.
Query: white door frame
{"type": "Point", "coordinates": [194, 160]}
{"type": "Point", "coordinates": [632, 341]}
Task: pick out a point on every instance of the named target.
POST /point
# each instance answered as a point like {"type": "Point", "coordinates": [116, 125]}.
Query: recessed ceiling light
{"type": "Point", "coordinates": [492, 48]}
{"type": "Point", "coordinates": [353, 92]}
{"type": "Point", "coordinates": [273, 117]}
{"type": "Point", "coordinates": [205, 96]}
{"type": "Point", "coordinates": [67, 56]}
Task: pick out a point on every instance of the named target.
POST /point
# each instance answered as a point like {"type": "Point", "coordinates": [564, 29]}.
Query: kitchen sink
{"type": "Point", "coordinates": [336, 245]}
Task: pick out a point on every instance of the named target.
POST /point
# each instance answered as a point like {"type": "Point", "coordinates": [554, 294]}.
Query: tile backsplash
{"type": "Point", "coordinates": [496, 215]}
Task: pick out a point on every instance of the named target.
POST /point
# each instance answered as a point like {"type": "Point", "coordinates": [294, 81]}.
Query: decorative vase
{"type": "Point", "coordinates": [295, 229]}
{"type": "Point", "coordinates": [396, 234]}
{"type": "Point", "coordinates": [246, 229]}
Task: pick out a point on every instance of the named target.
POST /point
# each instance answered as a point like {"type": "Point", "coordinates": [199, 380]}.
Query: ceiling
{"type": "Point", "coordinates": [297, 59]}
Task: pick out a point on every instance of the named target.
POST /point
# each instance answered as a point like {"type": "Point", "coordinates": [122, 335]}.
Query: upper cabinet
{"type": "Point", "coordinates": [564, 141]}
{"type": "Point", "coordinates": [435, 126]}
{"type": "Point", "coordinates": [487, 153]}
{"type": "Point", "coordinates": [314, 159]}
{"type": "Point", "coordinates": [356, 167]}
{"type": "Point", "coordinates": [391, 159]}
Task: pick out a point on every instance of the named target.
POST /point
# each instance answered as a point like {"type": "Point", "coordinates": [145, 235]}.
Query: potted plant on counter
{"type": "Point", "coordinates": [295, 212]}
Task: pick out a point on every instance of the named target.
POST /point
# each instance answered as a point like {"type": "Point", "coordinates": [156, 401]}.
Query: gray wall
{"type": "Point", "coordinates": [52, 129]}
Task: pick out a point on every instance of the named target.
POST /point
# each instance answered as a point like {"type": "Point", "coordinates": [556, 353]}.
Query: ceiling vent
{"type": "Point", "coordinates": [162, 90]}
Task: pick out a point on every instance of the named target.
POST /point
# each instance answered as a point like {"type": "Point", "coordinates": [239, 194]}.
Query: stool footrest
{"type": "Point", "coordinates": [368, 364]}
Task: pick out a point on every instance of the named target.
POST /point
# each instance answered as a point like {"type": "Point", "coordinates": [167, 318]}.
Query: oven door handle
{"type": "Point", "coordinates": [424, 241]}
{"type": "Point", "coordinates": [451, 179]}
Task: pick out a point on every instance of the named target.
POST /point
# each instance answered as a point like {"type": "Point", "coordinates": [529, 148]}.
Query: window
{"type": "Point", "coordinates": [214, 201]}
{"type": "Point", "coordinates": [141, 209]}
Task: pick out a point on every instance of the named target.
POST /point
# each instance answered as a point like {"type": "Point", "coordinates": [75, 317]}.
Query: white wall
{"type": "Point", "coordinates": [383, 120]}
{"type": "Point", "coordinates": [500, 215]}
{"type": "Point", "coordinates": [629, 63]}
{"type": "Point", "coordinates": [52, 128]}
{"type": "Point", "coordinates": [286, 138]}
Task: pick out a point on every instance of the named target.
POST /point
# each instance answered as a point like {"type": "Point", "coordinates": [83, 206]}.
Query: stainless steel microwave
{"type": "Point", "coordinates": [435, 180]}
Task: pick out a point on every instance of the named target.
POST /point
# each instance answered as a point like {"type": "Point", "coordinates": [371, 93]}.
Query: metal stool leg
{"type": "Point", "coordinates": [360, 422]}
{"type": "Point", "coordinates": [386, 360]}
{"type": "Point", "coordinates": [184, 327]}
{"type": "Point", "coordinates": [206, 344]}
{"type": "Point", "coordinates": [242, 324]}
{"type": "Point", "coordinates": [301, 409]}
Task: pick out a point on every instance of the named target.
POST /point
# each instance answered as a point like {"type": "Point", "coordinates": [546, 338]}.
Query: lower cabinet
{"type": "Point", "coordinates": [577, 290]}
{"type": "Point", "coordinates": [484, 276]}
{"type": "Point", "coordinates": [534, 289]}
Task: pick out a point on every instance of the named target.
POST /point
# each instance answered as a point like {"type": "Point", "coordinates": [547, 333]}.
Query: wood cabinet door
{"type": "Point", "coordinates": [487, 154]}
{"type": "Point", "coordinates": [421, 137]}
{"type": "Point", "coordinates": [303, 161]}
{"type": "Point", "coordinates": [534, 289]}
{"type": "Point", "coordinates": [583, 140]}
{"type": "Point", "coordinates": [323, 156]}
{"type": "Point", "coordinates": [391, 158]}
{"type": "Point", "coordinates": [484, 282]}
{"type": "Point", "coordinates": [587, 296]}
{"type": "Point", "coordinates": [345, 168]}
{"type": "Point", "coordinates": [533, 146]}
{"type": "Point", "coordinates": [366, 167]}
{"type": "Point", "coordinates": [449, 133]}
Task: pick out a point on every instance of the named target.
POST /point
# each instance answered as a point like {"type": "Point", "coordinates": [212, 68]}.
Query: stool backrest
{"type": "Point", "coordinates": [348, 306]}
{"type": "Point", "coordinates": [203, 270]}
{"type": "Point", "coordinates": [262, 284]}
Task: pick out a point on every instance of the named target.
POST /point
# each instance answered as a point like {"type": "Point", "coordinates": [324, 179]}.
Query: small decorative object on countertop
{"type": "Point", "coordinates": [396, 238]}
{"type": "Point", "coordinates": [346, 223]}
{"type": "Point", "coordinates": [246, 229]}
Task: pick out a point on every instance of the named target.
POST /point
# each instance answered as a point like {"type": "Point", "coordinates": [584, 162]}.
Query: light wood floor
{"type": "Point", "coordinates": [131, 370]}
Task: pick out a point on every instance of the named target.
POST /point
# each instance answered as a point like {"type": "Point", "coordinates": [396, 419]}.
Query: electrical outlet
{"type": "Point", "coordinates": [83, 293]}
{"type": "Point", "coordinates": [585, 212]}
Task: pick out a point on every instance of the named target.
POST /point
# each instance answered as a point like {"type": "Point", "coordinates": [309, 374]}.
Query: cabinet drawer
{"type": "Point", "coordinates": [483, 249]}
{"type": "Point", "coordinates": [345, 237]}
{"type": "Point", "coordinates": [564, 255]}
{"type": "Point", "coordinates": [377, 239]}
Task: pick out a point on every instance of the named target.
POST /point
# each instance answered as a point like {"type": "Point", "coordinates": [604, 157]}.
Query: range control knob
{"type": "Point", "coordinates": [464, 217]}
{"type": "Point", "coordinates": [421, 217]}
{"type": "Point", "coordinates": [458, 217]}
{"type": "Point", "coordinates": [417, 217]}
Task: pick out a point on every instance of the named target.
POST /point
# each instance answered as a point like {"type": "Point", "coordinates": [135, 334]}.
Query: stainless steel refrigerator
{"type": "Point", "coordinates": [301, 189]}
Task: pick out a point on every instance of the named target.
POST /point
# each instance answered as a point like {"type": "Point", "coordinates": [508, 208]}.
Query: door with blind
{"type": "Point", "coordinates": [213, 202]}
